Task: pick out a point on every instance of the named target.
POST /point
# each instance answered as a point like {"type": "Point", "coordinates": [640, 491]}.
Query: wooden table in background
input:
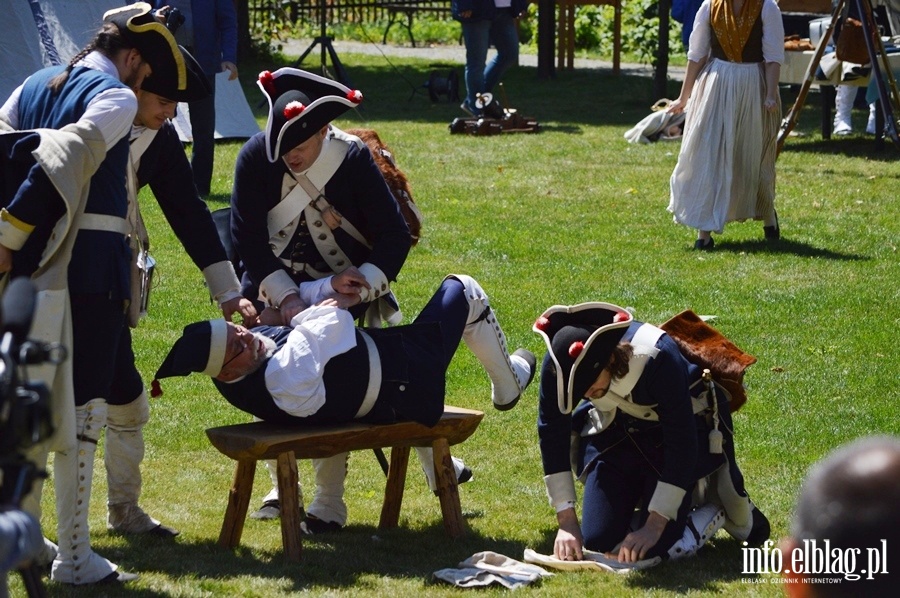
{"type": "Point", "coordinates": [566, 31]}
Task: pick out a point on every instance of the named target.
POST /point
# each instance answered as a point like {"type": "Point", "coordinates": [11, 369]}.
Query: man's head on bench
{"type": "Point", "coordinates": [217, 348]}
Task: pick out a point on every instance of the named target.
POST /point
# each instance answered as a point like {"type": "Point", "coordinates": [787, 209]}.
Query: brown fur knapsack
{"type": "Point", "coordinates": [396, 180]}
{"type": "Point", "coordinates": [705, 346]}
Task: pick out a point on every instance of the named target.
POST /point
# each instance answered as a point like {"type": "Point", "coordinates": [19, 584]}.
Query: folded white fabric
{"type": "Point", "coordinates": [595, 561]}
{"type": "Point", "coordinates": [486, 568]}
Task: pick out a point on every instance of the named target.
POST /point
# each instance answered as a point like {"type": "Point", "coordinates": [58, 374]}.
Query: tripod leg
{"type": "Point", "coordinates": [787, 125]}
{"type": "Point", "coordinates": [336, 62]}
{"type": "Point", "coordinates": [875, 53]}
{"type": "Point", "coordinates": [306, 52]}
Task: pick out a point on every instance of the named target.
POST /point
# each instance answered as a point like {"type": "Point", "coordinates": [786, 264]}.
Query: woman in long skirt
{"type": "Point", "coordinates": [726, 167]}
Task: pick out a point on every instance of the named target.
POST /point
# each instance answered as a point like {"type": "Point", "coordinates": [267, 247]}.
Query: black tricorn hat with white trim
{"type": "Point", "coordinates": [580, 340]}
{"type": "Point", "coordinates": [151, 38]}
{"type": "Point", "coordinates": [164, 81]}
{"type": "Point", "coordinates": [201, 348]}
{"type": "Point", "coordinates": [300, 104]}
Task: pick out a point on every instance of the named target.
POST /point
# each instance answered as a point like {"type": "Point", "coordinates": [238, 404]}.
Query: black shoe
{"type": "Point", "coordinates": [163, 531]}
{"type": "Point", "coordinates": [464, 476]}
{"type": "Point", "coordinates": [118, 577]}
{"type": "Point", "coordinates": [704, 245]}
{"type": "Point", "coordinates": [531, 360]}
{"type": "Point", "coordinates": [760, 531]}
{"type": "Point", "coordinates": [773, 233]}
{"type": "Point", "coordinates": [313, 526]}
{"type": "Point", "coordinates": [271, 509]}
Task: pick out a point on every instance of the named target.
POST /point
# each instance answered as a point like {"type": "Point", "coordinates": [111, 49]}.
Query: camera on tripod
{"type": "Point", "coordinates": [174, 19]}
{"type": "Point", "coordinates": [25, 416]}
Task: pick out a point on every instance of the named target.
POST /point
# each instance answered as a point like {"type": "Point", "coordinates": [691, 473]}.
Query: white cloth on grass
{"type": "Point", "coordinates": [486, 568]}
{"type": "Point", "coordinates": [592, 561]}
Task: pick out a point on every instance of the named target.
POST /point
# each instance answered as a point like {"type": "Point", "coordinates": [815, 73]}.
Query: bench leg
{"type": "Point", "coordinates": [290, 505]}
{"type": "Point", "coordinates": [393, 492]}
{"type": "Point", "coordinates": [448, 490]}
{"type": "Point", "coordinates": [238, 501]}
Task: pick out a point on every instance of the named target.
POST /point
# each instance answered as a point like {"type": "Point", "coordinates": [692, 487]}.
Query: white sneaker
{"type": "Point", "coordinates": [842, 128]}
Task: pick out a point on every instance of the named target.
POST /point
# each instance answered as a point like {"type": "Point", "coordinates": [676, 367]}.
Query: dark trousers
{"type": "Point", "coordinates": [203, 129]}
{"type": "Point", "coordinates": [102, 356]}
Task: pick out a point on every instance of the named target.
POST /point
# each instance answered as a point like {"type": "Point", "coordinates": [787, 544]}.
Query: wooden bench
{"type": "Point", "coordinates": [248, 443]}
{"type": "Point", "coordinates": [409, 8]}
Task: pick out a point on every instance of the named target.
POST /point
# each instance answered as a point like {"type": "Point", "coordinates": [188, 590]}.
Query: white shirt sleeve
{"type": "Point", "coordinates": [313, 291]}
{"type": "Point", "coordinates": [9, 112]}
{"type": "Point", "coordinates": [294, 375]}
{"type": "Point", "coordinates": [113, 112]}
{"type": "Point", "coordinates": [773, 33]}
{"type": "Point", "coordinates": [699, 44]}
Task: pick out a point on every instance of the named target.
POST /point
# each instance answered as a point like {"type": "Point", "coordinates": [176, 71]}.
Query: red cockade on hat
{"type": "Point", "coordinates": [293, 109]}
{"type": "Point", "coordinates": [575, 349]}
{"type": "Point", "coordinates": [542, 323]}
{"type": "Point", "coordinates": [267, 79]}
{"type": "Point", "coordinates": [355, 96]}
{"type": "Point", "coordinates": [622, 316]}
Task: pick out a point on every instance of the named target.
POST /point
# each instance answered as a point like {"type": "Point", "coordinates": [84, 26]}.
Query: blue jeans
{"type": "Point", "coordinates": [502, 31]}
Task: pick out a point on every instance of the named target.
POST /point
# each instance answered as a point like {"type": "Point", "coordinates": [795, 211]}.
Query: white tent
{"type": "Point", "coordinates": [39, 33]}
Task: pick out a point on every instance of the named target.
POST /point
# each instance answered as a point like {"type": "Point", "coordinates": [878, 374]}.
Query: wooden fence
{"type": "Point", "coordinates": [336, 11]}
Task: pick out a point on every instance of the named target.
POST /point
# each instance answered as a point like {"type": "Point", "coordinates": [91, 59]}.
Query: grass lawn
{"type": "Point", "coordinates": [568, 215]}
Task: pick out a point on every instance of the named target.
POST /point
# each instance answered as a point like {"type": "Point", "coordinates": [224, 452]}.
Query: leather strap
{"type": "Point", "coordinates": [374, 377]}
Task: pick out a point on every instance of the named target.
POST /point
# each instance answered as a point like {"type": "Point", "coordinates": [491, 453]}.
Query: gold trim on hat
{"type": "Point", "coordinates": [173, 46]}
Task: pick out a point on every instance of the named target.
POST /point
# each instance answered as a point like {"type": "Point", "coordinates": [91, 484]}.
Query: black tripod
{"type": "Point", "coordinates": [327, 47]}
{"type": "Point", "coordinates": [888, 103]}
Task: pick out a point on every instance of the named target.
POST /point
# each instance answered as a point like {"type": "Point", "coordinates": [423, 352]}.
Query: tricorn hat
{"type": "Point", "coordinates": [164, 81]}
{"type": "Point", "coordinates": [151, 38]}
{"type": "Point", "coordinates": [580, 340]}
{"type": "Point", "coordinates": [201, 348]}
{"type": "Point", "coordinates": [300, 104]}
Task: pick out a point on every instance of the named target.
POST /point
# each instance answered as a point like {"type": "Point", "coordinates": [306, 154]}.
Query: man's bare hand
{"type": "Point", "coordinates": [243, 307]}
{"type": "Point", "coordinates": [270, 317]}
{"type": "Point", "coordinates": [636, 544]}
{"type": "Point", "coordinates": [290, 307]}
{"type": "Point", "coordinates": [231, 68]}
{"type": "Point", "coordinates": [569, 543]}
{"type": "Point", "coordinates": [349, 282]}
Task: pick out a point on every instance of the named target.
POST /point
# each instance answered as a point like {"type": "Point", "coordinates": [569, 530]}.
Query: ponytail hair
{"type": "Point", "coordinates": [108, 41]}
{"type": "Point", "coordinates": [618, 363]}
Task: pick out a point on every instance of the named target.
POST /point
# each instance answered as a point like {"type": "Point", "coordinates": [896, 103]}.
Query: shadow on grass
{"type": "Point", "coordinates": [786, 246]}
{"type": "Point", "coordinates": [329, 562]}
{"type": "Point", "coordinates": [852, 147]}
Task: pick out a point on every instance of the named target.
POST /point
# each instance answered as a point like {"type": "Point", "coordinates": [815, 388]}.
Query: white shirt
{"type": "Point", "coordinates": [773, 33]}
{"type": "Point", "coordinates": [112, 111]}
{"type": "Point", "coordinates": [294, 375]}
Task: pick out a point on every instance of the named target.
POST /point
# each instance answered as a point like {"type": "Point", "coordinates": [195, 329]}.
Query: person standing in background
{"type": "Point", "coordinates": [726, 168]}
{"type": "Point", "coordinates": [209, 32]}
{"type": "Point", "coordinates": [485, 22]}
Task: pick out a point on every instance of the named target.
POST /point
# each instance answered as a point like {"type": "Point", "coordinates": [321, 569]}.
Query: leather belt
{"type": "Point", "coordinates": [374, 377]}
{"type": "Point", "coordinates": [104, 222]}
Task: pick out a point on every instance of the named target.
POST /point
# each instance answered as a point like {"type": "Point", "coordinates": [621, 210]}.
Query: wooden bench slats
{"type": "Point", "coordinates": [250, 442]}
{"type": "Point", "coordinates": [261, 440]}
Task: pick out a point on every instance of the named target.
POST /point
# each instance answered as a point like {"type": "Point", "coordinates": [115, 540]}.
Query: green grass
{"type": "Point", "coordinates": [571, 214]}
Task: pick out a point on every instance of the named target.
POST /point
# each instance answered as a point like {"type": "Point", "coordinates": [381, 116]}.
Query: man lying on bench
{"type": "Point", "coordinates": [325, 370]}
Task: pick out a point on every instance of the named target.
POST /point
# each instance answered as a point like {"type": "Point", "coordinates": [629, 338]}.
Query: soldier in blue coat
{"type": "Point", "coordinates": [309, 202]}
{"type": "Point", "coordinates": [647, 431]}
{"type": "Point", "coordinates": [322, 369]}
{"type": "Point", "coordinates": [94, 90]}
{"type": "Point", "coordinates": [157, 159]}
